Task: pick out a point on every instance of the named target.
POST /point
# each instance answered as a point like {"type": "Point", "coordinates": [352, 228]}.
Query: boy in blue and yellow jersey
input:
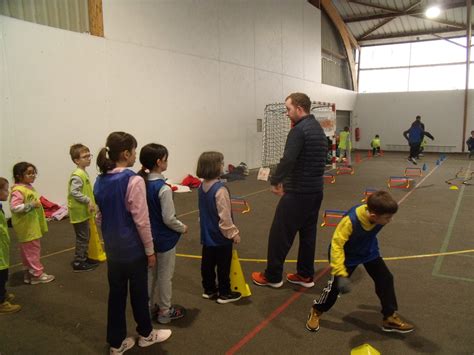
{"type": "Point", "coordinates": [354, 243]}
{"type": "Point", "coordinates": [5, 298]}
{"type": "Point", "coordinates": [81, 206]}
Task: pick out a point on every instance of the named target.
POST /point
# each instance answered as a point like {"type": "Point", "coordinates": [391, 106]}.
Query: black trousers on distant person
{"type": "Point", "coordinates": [414, 149]}
{"type": "Point", "coordinates": [123, 276]}
{"type": "Point", "coordinates": [384, 288]}
{"type": "Point", "coordinates": [295, 213]}
{"type": "Point", "coordinates": [218, 257]}
{"type": "Point", "coordinates": [3, 283]}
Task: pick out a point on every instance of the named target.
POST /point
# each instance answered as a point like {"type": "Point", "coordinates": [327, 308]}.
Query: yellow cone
{"type": "Point", "coordinates": [95, 251]}
{"type": "Point", "coordinates": [365, 349]}
{"type": "Point", "coordinates": [237, 279]}
{"type": "Point", "coordinates": [454, 187]}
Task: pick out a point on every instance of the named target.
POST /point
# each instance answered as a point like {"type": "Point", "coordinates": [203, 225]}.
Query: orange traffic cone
{"type": "Point", "coordinates": [357, 158]}
{"type": "Point", "coordinates": [369, 154]}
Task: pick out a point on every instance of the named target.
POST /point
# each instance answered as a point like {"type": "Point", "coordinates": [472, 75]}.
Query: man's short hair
{"type": "Point", "coordinates": [76, 150]}
{"type": "Point", "coordinates": [301, 100]}
{"type": "Point", "coordinates": [381, 202]}
{"type": "Point", "coordinates": [418, 117]}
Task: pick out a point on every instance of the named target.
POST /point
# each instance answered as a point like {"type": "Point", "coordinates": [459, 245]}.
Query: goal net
{"type": "Point", "coordinates": [276, 126]}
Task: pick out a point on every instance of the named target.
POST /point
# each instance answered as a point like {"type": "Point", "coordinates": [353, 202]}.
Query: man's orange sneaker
{"type": "Point", "coordinates": [300, 280]}
{"type": "Point", "coordinates": [259, 279]}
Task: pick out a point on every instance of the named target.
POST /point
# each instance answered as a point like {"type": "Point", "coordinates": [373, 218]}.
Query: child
{"type": "Point", "coordinates": [81, 206]}
{"type": "Point", "coordinates": [5, 298]}
{"type": "Point", "coordinates": [218, 231]}
{"type": "Point", "coordinates": [29, 222]}
{"type": "Point", "coordinates": [121, 198]}
{"type": "Point", "coordinates": [354, 243]}
{"type": "Point", "coordinates": [345, 145]}
{"type": "Point", "coordinates": [166, 230]}
{"type": "Point", "coordinates": [423, 144]}
{"type": "Point", "coordinates": [470, 144]}
{"type": "Point", "coordinates": [375, 144]}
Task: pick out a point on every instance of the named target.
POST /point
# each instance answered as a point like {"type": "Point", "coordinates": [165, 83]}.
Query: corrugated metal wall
{"type": "Point", "coordinates": [335, 68]}
{"type": "Point", "coordinates": [69, 15]}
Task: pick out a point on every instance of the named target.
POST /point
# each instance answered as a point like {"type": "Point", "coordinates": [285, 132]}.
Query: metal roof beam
{"type": "Point", "coordinates": [460, 26]}
{"type": "Point", "coordinates": [396, 13]}
{"type": "Point", "coordinates": [408, 34]}
{"type": "Point", "coordinates": [392, 17]}
{"type": "Point", "coordinates": [450, 41]}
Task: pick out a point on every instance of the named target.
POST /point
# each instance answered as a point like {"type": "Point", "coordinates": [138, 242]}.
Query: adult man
{"type": "Point", "coordinates": [298, 179]}
{"type": "Point", "coordinates": [418, 119]}
{"type": "Point", "coordinates": [415, 135]}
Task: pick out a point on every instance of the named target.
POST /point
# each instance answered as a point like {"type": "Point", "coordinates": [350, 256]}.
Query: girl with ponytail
{"type": "Point", "coordinates": [121, 197]}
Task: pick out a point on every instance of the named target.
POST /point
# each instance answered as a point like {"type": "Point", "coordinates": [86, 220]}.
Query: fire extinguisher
{"type": "Point", "coordinates": [357, 134]}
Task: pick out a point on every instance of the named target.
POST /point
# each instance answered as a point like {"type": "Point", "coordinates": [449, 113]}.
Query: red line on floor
{"type": "Point", "coordinates": [250, 335]}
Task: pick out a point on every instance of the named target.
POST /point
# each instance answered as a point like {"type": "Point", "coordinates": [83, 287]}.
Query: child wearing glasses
{"type": "Point", "coordinates": [28, 222]}
{"type": "Point", "coordinates": [81, 206]}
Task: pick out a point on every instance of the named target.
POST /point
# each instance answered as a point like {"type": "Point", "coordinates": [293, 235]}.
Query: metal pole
{"type": "Point", "coordinates": [468, 61]}
{"type": "Point", "coordinates": [358, 67]}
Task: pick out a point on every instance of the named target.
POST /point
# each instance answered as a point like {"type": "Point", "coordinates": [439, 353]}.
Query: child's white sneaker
{"type": "Point", "coordinates": [127, 344]}
{"type": "Point", "coordinates": [156, 336]}
{"type": "Point", "coordinates": [44, 278]}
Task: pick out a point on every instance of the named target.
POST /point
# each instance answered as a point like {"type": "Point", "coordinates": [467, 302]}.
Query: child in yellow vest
{"type": "Point", "coordinates": [5, 298]}
{"type": "Point", "coordinates": [375, 144]}
{"type": "Point", "coordinates": [345, 145]}
{"type": "Point", "coordinates": [81, 206]}
{"type": "Point", "coordinates": [29, 222]}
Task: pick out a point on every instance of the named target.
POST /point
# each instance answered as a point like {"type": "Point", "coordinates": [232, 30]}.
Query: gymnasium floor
{"type": "Point", "coordinates": [428, 247]}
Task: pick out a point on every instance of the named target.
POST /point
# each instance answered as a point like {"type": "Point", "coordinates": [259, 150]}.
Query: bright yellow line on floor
{"type": "Point", "coordinates": [392, 258]}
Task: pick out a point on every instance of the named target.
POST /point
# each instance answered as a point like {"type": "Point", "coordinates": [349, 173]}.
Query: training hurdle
{"type": "Point", "coordinates": [399, 182]}
{"type": "Point", "coordinates": [239, 205]}
{"type": "Point", "coordinates": [368, 191]}
{"type": "Point", "coordinates": [329, 178]}
{"type": "Point", "coordinates": [413, 172]}
{"type": "Point", "coordinates": [332, 217]}
{"type": "Point", "coordinates": [345, 170]}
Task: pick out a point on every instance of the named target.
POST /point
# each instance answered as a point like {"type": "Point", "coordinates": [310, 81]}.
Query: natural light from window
{"type": "Point", "coordinates": [414, 67]}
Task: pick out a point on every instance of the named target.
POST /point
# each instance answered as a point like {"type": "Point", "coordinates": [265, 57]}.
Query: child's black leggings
{"type": "Point", "coordinates": [384, 288]}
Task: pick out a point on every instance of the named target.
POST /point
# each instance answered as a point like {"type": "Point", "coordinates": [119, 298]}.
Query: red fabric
{"type": "Point", "coordinates": [173, 188]}
{"type": "Point", "coordinates": [49, 207]}
{"type": "Point", "coordinates": [191, 181]}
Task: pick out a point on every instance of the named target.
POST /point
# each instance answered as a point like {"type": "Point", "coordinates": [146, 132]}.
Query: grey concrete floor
{"type": "Point", "coordinates": [435, 292]}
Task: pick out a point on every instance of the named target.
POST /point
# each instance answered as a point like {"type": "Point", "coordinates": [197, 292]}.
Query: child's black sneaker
{"type": "Point", "coordinates": [175, 312]}
{"type": "Point", "coordinates": [230, 297]}
{"type": "Point", "coordinates": [83, 266]}
{"type": "Point", "coordinates": [210, 295]}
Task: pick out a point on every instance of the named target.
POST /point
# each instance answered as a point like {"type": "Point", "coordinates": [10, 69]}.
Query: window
{"type": "Point", "coordinates": [419, 66]}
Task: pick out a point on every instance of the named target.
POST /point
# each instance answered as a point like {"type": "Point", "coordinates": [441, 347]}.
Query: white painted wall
{"type": "Point", "coordinates": [389, 114]}
{"type": "Point", "coordinates": [192, 75]}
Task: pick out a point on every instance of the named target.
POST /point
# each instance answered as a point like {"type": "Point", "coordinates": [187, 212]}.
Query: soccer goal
{"type": "Point", "coordinates": [276, 126]}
